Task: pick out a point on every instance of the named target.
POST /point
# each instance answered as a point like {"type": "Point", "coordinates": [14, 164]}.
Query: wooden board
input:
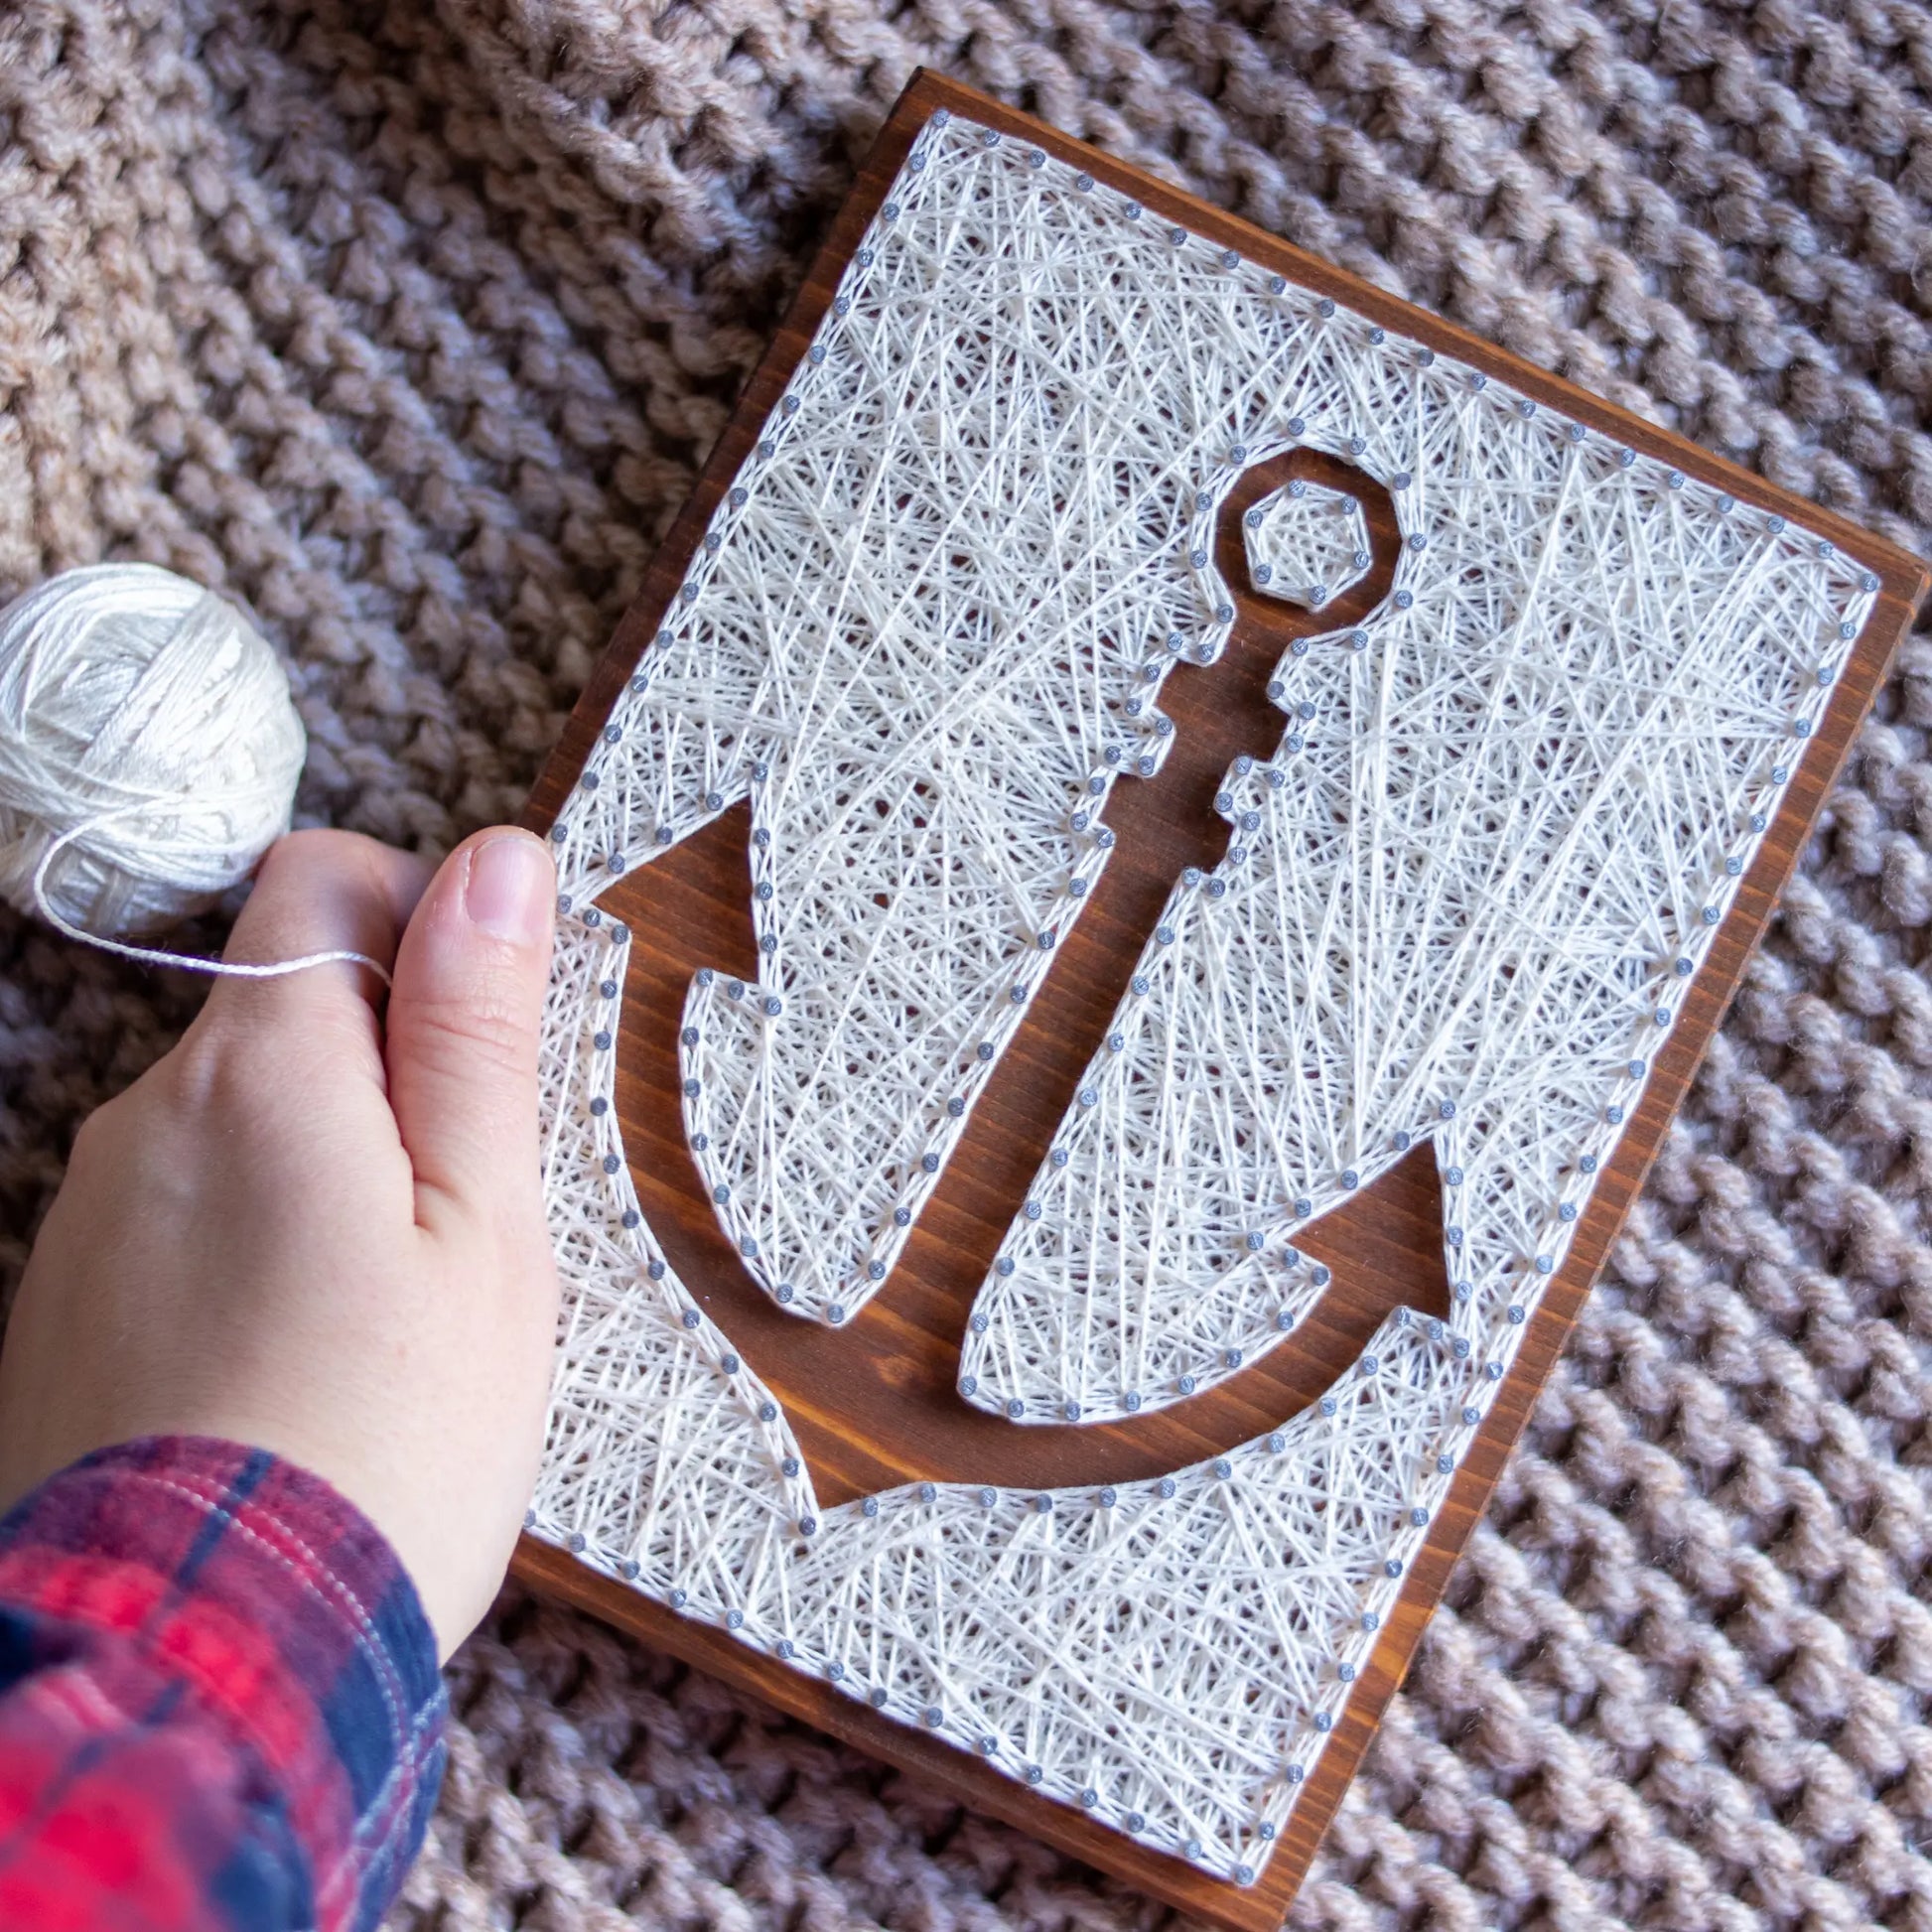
{"type": "Point", "coordinates": [874, 1403]}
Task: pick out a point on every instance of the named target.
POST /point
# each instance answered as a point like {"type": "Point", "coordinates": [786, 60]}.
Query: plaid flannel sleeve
{"type": "Point", "coordinates": [219, 1705]}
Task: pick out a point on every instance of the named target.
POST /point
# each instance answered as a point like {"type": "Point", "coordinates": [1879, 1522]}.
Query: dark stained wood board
{"type": "Point", "coordinates": [873, 1403]}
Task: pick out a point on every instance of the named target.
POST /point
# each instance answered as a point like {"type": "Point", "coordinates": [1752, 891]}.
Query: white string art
{"type": "Point", "coordinates": [925, 636]}
{"type": "Point", "coordinates": [1306, 544]}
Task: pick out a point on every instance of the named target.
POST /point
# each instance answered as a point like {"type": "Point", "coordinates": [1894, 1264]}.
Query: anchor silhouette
{"type": "Point", "coordinates": [874, 1403]}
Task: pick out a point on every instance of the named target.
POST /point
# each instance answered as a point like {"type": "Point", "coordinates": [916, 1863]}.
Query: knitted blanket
{"type": "Point", "coordinates": [409, 327]}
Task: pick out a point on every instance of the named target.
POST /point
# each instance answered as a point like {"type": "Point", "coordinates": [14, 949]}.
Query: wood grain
{"type": "Point", "coordinates": [873, 1403]}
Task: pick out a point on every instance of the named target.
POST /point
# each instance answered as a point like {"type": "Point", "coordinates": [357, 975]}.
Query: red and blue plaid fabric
{"type": "Point", "coordinates": [220, 1705]}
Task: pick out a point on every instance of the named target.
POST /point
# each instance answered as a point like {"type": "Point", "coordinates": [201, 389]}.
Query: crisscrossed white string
{"type": "Point", "coordinates": [927, 635]}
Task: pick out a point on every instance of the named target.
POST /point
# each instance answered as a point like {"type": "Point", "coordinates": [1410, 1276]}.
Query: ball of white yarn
{"type": "Point", "coordinates": [147, 718]}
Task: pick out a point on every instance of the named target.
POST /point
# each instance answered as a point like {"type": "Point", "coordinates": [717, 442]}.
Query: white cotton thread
{"type": "Point", "coordinates": [925, 636]}
{"type": "Point", "coordinates": [149, 756]}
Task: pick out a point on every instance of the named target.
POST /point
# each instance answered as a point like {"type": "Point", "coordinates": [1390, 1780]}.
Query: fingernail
{"type": "Point", "coordinates": [510, 889]}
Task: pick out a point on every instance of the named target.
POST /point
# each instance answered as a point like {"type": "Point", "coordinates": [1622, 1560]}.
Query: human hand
{"type": "Point", "coordinates": [316, 1227]}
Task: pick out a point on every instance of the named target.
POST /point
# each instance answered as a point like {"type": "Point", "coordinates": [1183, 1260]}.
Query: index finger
{"type": "Point", "coordinates": [319, 891]}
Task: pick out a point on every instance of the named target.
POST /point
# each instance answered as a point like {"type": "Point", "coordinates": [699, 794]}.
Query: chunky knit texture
{"type": "Point", "coordinates": [409, 326]}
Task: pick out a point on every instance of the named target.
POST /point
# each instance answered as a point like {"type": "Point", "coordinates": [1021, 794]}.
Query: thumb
{"type": "Point", "coordinates": [462, 1032]}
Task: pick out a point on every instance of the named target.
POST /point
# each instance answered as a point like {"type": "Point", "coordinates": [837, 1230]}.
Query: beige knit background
{"type": "Point", "coordinates": [410, 324]}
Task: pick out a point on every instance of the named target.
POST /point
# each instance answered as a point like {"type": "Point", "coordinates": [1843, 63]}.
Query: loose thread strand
{"type": "Point", "coordinates": [184, 962]}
